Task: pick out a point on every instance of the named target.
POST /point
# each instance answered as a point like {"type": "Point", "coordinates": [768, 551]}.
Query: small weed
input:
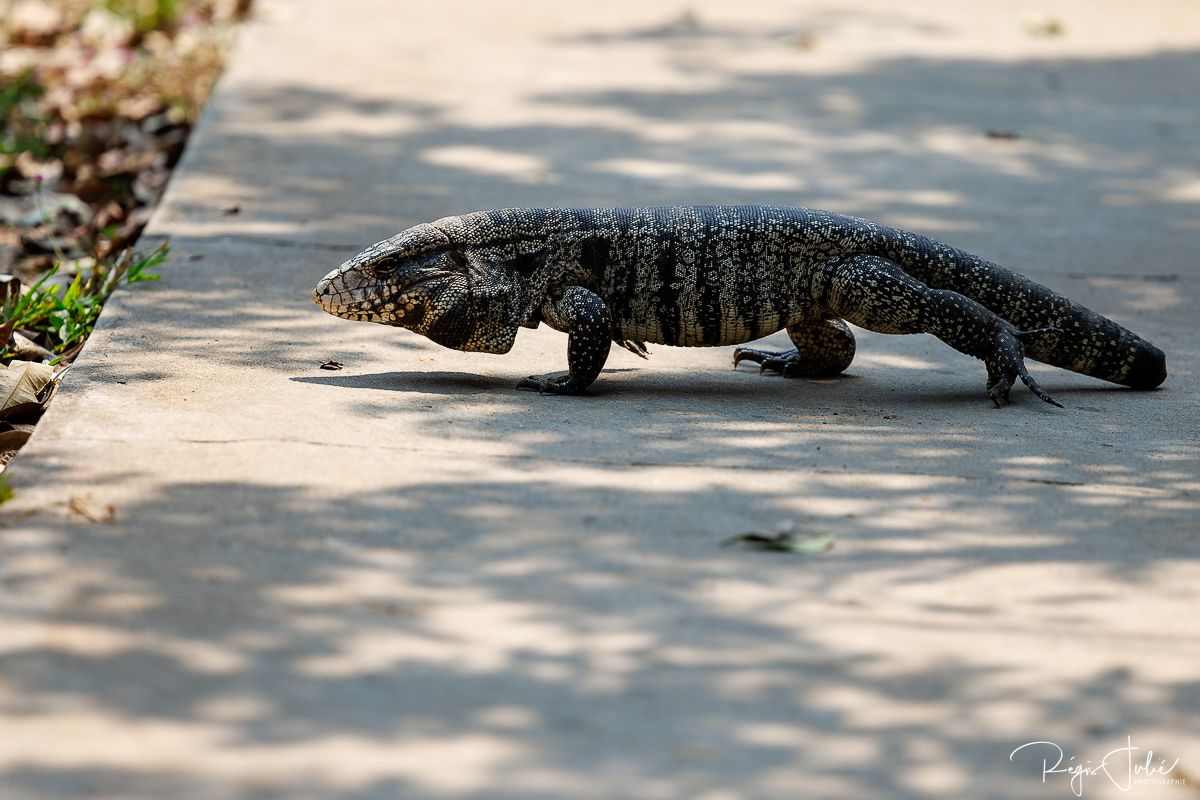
{"type": "Point", "coordinates": [21, 125]}
{"type": "Point", "coordinates": [147, 15]}
{"type": "Point", "coordinates": [18, 92]}
{"type": "Point", "coordinates": [67, 316]}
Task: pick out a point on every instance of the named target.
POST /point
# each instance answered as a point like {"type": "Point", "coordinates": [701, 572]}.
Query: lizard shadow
{"type": "Point", "coordinates": [1020, 396]}
{"type": "Point", "coordinates": [430, 382]}
{"type": "Point", "coordinates": [449, 383]}
{"type": "Point", "coordinates": [830, 392]}
{"type": "Point", "coordinates": [695, 387]}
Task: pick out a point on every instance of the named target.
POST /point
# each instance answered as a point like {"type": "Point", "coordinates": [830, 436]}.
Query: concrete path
{"type": "Point", "coordinates": [228, 574]}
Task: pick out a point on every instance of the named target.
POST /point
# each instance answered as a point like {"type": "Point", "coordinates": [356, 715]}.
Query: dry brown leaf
{"type": "Point", "coordinates": [13, 437]}
{"type": "Point", "coordinates": [1046, 26]}
{"type": "Point", "coordinates": [22, 385]}
{"type": "Point", "coordinates": [24, 348]}
{"type": "Point", "coordinates": [83, 506]}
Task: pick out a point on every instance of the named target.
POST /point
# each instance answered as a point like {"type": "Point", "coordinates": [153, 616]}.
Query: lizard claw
{"type": "Point", "coordinates": [637, 348]}
{"type": "Point", "coordinates": [1041, 393]}
{"type": "Point", "coordinates": [780, 362]}
{"type": "Point", "coordinates": [1007, 363]}
{"type": "Point", "coordinates": [789, 363]}
{"type": "Point", "coordinates": [555, 383]}
{"type": "Point", "coordinates": [786, 364]}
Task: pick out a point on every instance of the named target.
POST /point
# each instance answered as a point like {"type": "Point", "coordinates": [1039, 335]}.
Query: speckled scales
{"type": "Point", "coordinates": [721, 275]}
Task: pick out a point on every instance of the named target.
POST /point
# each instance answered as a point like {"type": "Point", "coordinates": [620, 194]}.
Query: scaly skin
{"type": "Point", "coordinates": [720, 275]}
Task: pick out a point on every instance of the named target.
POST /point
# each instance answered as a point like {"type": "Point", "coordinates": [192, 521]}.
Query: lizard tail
{"type": "Point", "coordinates": [1099, 348]}
{"type": "Point", "coordinates": [1102, 349]}
{"type": "Point", "coordinates": [1057, 330]}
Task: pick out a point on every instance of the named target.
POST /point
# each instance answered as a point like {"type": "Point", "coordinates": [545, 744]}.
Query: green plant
{"type": "Point", "coordinates": [147, 15]}
{"type": "Point", "coordinates": [21, 125]}
{"type": "Point", "coordinates": [67, 316]}
{"type": "Point", "coordinates": [19, 90]}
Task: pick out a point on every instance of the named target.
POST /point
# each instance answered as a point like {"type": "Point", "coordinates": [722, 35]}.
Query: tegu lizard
{"type": "Point", "coordinates": [698, 276]}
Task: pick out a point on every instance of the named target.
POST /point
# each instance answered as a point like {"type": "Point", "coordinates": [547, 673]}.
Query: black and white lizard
{"type": "Point", "coordinates": [696, 276]}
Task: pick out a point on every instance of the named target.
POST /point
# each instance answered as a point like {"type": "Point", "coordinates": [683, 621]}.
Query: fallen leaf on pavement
{"type": "Point", "coordinates": [805, 544]}
{"type": "Point", "coordinates": [1046, 26]}
{"type": "Point", "coordinates": [82, 506]}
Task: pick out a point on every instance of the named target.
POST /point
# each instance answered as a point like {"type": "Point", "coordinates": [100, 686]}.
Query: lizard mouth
{"type": "Point", "coordinates": [350, 295]}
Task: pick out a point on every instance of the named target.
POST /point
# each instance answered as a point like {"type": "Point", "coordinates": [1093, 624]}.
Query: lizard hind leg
{"type": "Point", "coordinates": [878, 295]}
{"type": "Point", "coordinates": [824, 348]}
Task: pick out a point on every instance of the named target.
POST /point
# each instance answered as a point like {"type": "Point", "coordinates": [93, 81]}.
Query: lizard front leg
{"type": "Point", "coordinates": [583, 316]}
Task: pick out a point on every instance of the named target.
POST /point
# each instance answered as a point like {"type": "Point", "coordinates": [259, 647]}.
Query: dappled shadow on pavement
{"type": "Point", "coordinates": [453, 636]}
{"type": "Point", "coordinates": [524, 596]}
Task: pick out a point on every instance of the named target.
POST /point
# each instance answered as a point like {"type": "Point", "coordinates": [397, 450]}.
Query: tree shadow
{"type": "Point", "coordinates": [525, 596]}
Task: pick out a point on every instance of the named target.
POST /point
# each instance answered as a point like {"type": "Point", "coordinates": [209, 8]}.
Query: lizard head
{"type": "Point", "coordinates": [416, 280]}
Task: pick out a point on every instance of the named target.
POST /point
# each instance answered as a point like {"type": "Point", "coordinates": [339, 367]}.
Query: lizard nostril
{"type": "Point", "coordinates": [320, 293]}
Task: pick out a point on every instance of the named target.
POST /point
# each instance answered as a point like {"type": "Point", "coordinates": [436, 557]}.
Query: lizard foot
{"type": "Point", "coordinates": [1007, 363]}
{"type": "Point", "coordinates": [787, 363]}
{"type": "Point", "coordinates": [554, 383]}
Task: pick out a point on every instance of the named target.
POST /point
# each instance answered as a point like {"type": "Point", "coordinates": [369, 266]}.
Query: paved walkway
{"type": "Point", "coordinates": [405, 579]}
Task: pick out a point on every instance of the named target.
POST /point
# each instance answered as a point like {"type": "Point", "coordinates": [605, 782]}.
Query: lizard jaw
{"type": "Point", "coordinates": [351, 294]}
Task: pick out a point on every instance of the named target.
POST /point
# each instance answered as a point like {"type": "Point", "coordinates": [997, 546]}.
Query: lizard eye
{"type": "Point", "coordinates": [458, 257]}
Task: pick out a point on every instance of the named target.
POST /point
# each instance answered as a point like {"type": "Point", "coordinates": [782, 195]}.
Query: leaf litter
{"type": "Point", "coordinates": [97, 98]}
